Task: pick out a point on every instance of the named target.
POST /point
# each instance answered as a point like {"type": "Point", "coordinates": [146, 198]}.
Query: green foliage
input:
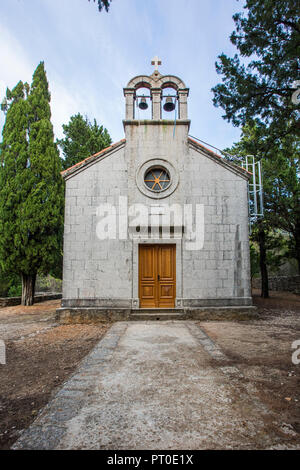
{"type": "Point", "coordinates": [280, 164]}
{"type": "Point", "coordinates": [282, 192]}
{"type": "Point", "coordinates": [103, 4]}
{"type": "Point", "coordinates": [254, 260]}
{"type": "Point", "coordinates": [277, 251]}
{"type": "Point", "coordinates": [267, 38]}
{"type": "Point", "coordinates": [9, 281]}
{"type": "Point", "coordinates": [15, 291]}
{"type": "Point", "coordinates": [48, 284]}
{"type": "Point", "coordinates": [31, 187]}
{"type": "Point", "coordinates": [82, 139]}
{"type": "Point", "coordinates": [13, 172]}
{"type": "Point", "coordinates": [276, 247]}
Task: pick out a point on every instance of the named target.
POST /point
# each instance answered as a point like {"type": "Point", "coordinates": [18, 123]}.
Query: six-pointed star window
{"type": "Point", "coordinates": [157, 179]}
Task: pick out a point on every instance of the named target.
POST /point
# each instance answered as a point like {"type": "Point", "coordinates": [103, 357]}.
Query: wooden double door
{"type": "Point", "coordinates": [157, 276]}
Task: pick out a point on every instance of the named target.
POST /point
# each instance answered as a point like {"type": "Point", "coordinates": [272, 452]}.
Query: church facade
{"type": "Point", "coordinates": [156, 221]}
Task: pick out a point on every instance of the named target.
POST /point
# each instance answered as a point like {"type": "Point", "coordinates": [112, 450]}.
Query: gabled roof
{"type": "Point", "coordinates": [218, 159]}
{"type": "Point", "coordinates": [92, 159]}
{"type": "Point", "coordinates": [196, 145]}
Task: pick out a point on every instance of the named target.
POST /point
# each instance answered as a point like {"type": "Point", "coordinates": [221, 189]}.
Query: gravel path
{"type": "Point", "coordinates": [163, 385]}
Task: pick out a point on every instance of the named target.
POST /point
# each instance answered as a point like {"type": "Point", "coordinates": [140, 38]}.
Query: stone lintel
{"type": "Point", "coordinates": [155, 122]}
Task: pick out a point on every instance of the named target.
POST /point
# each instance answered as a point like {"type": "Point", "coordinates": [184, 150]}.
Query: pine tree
{"type": "Point", "coordinates": [32, 192]}
{"type": "Point", "coordinates": [281, 186]}
{"type": "Point", "coordinates": [103, 3]}
{"type": "Point", "coordinates": [258, 81]}
{"type": "Point", "coordinates": [82, 139]}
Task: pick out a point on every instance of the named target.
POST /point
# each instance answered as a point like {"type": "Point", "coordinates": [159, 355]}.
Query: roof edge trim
{"type": "Point", "coordinates": [230, 166]}
{"type": "Point", "coordinates": [92, 159]}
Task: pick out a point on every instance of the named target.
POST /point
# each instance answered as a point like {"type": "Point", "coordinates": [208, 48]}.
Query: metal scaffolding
{"type": "Point", "coordinates": [255, 191]}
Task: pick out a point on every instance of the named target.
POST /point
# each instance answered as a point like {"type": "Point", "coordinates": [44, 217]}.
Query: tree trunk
{"type": "Point", "coordinates": [298, 258]}
{"type": "Point", "coordinates": [28, 286]}
{"type": "Point", "coordinates": [263, 263]}
{"type": "Point", "coordinates": [297, 245]}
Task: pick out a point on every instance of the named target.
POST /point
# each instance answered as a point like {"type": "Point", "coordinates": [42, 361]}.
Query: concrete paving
{"type": "Point", "coordinates": [154, 385]}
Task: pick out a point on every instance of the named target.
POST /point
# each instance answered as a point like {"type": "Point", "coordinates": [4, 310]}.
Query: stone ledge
{"type": "Point", "coordinates": [227, 313]}
{"type": "Point", "coordinates": [229, 302]}
{"type": "Point", "coordinates": [127, 303]}
{"type": "Point", "coordinates": [10, 301]}
{"type": "Point", "coordinates": [98, 314]}
{"type": "Point", "coordinates": [96, 302]}
{"type": "Point", "coordinates": [280, 283]}
{"type": "Point", "coordinates": [153, 122]}
{"type": "Point", "coordinates": [91, 314]}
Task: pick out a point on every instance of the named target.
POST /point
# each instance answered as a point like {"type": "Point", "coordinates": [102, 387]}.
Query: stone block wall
{"type": "Point", "coordinates": [95, 268]}
{"type": "Point", "coordinates": [280, 283]}
{"type": "Point", "coordinates": [221, 270]}
{"type": "Point", "coordinates": [10, 301]}
{"type": "Point", "coordinates": [104, 273]}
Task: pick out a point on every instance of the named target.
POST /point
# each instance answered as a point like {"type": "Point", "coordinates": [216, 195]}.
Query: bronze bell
{"type": "Point", "coordinates": [143, 104]}
{"type": "Point", "coordinates": [169, 105]}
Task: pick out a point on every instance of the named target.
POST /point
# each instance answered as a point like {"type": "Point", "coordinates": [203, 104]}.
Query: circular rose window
{"type": "Point", "coordinates": [157, 179]}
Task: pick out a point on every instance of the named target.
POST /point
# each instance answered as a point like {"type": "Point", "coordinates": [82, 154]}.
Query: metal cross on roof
{"type": "Point", "coordinates": [156, 62]}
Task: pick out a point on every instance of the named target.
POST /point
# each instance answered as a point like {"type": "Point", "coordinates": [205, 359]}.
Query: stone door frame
{"type": "Point", "coordinates": [135, 267]}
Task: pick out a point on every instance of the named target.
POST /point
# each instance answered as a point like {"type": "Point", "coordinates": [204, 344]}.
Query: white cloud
{"type": "Point", "coordinates": [14, 62]}
{"type": "Point", "coordinates": [15, 65]}
{"type": "Point", "coordinates": [90, 56]}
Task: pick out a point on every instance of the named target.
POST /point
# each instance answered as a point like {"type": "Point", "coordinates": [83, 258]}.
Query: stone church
{"type": "Point", "coordinates": [156, 224]}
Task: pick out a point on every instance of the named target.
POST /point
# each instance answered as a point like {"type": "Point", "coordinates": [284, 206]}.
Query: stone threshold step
{"type": "Point", "coordinates": [157, 316]}
{"type": "Point", "coordinates": [157, 310]}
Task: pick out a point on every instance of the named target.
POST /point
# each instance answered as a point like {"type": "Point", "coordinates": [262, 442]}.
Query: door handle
{"type": "Point", "coordinates": [158, 277]}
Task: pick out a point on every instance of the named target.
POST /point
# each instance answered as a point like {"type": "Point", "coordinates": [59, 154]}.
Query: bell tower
{"type": "Point", "coordinates": [156, 128]}
{"type": "Point", "coordinates": [159, 97]}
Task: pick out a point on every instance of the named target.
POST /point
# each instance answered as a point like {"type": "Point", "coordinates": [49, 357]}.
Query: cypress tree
{"type": "Point", "coordinates": [13, 173]}
{"type": "Point", "coordinates": [33, 230]}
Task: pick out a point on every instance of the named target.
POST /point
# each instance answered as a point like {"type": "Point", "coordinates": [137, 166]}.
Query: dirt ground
{"type": "Point", "coordinates": [42, 354]}
{"type": "Point", "coordinates": [262, 350]}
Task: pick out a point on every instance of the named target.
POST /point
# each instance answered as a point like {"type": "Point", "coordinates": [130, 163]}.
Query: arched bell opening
{"type": "Point", "coordinates": [169, 103]}
{"type": "Point", "coordinates": [153, 88]}
{"type": "Point", "coordinates": [143, 106]}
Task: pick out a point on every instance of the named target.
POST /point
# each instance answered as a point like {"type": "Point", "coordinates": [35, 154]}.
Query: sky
{"type": "Point", "coordinates": [90, 56]}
